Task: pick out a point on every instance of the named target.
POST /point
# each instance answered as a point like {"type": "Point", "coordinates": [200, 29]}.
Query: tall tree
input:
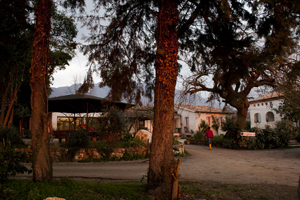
{"type": "Point", "coordinates": [242, 49]}
{"type": "Point", "coordinates": [41, 162]}
{"type": "Point", "coordinates": [15, 41]}
{"type": "Point", "coordinates": [140, 34]}
{"type": "Point", "coordinates": [16, 38]}
{"type": "Point", "coordinates": [288, 80]}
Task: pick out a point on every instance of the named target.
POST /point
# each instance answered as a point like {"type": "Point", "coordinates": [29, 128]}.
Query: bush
{"type": "Point", "coordinates": [203, 126]}
{"type": "Point", "coordinates": [285, 131]}
{"type": "Point", "coordinates": [273, 138]}
{"type": "Point", "coordinates": [10, 161]}
{"type": "Point", "coordinates": [78, 139]}
{"type": "Point", "coordinates": [113, 125]}
{"type": "Point", "coordinates": [11, 134]}
{"type": "Point", "coordinates": [229, 126]}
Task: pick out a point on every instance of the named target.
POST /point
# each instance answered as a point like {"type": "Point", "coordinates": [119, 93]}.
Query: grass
{"type": "Point", "coordinates": [73, 189]}
{"type": "Point", "coordinates": [70, 189]}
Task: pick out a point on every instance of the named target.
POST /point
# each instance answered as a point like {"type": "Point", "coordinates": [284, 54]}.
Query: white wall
{"type": "Point", "coordinates": [196, 118]}
{"type": "Point", "coordinates": [262, 108]}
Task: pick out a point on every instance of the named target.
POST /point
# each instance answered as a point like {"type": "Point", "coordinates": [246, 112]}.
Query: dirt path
{"type": "Point", "coordinates": [220, 165]}
{"type": "Point", "coordinates": [280, 167]}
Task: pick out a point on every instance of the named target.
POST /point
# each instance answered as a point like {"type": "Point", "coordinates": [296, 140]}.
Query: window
{"type": "Point", "coordinates": [262, 104]}
{"type": "Point", "coordinates": [186, 122]}
{"type": "Point", "coordinates": [270, 117]}
{"type": "Point", "coordinates": [220, 121]}
{"type": "Point", "coordinates": [266, 103]}
{"type": "Point", "coordinates": [208, 119]}
{"type": "Point", "coordinates": [258, 104]}
{"type": "Point", "coordinates": [257, 118]}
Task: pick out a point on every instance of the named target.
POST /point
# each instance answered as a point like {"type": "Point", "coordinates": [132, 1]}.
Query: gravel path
{"type": "Point", "coordinates": [280, 167]}
{"type": "Point", "coordinates": [242, 166]}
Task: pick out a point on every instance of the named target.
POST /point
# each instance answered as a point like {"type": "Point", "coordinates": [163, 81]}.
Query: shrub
{"type": "Point", "coordinates": [203, 126]}
{"type": "Point", "coordinates": [113, 125]}
{"type": "Point", "coordinates": [285, 131]}
{"type": "Point", "coordinates": [78, 139]}
{"type": "Point", "coordinates": [138, 143]}
{"type": "Point", "coordinates": [229, 126]}
{"type": "Point", "coordinates": [11, 134]}
{"type": "Point", "coordinates": [10, 161]}
{"type": "Point", "coordinates": [273, 138]}
{"type": "Point", "coordinates": [127, 137]}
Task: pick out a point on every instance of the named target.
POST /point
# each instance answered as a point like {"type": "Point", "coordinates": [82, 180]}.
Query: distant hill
{"type": "Point", "coordinates": [102, 92]}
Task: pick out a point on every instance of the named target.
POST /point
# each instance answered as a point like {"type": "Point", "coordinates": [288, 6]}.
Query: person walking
{"type": "Point", "coordinates": [209, 135]}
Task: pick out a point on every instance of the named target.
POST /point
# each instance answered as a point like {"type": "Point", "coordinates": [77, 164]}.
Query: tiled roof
{"type": "Point", "coordinates": [273, 95]}
{"type": "Point", "coordinates": [203, 109]}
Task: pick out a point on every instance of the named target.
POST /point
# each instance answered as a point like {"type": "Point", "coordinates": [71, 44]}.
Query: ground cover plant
{"type": "Point", "coordinates": [74, 189]}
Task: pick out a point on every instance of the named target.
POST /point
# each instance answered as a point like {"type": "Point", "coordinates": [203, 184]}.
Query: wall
{"type": "Point", "coordinates": [194, 119]}
{"type": "Point", "coordinates": [262, 108]}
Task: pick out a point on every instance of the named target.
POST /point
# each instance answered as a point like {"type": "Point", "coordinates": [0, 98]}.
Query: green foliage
{"type": "Point", "coordinates": [229, 126]}
{"type": "Point", "coordinates": [78, 139]}
{"type": "Point", "coordinates": [285, 131]}
{"type": "Point", "coordinates": [127, 137]}
{"type": "Point", "coordinates": [136, 142]}
{"type": "Point", "coordinates": [10, 161]}
{"type": "Point", "coordinates": [248, 125]}
{"type": "Point", "coordinates": [175, 141]}
{"type": "Point", "coordinates": [113, 125]}
{"type": "Point", "coordinates": [272, 138]}
{"type": "Point", "coordinates": [220, 138]}
{"type": "Point", "coordinates": [11, 134]}
{"type": "Point", "coordinates": [216, 124]}
{"type": "Point", "coordinates": [70, 189]}
{"type": "Point", "coordinates": [105, 148]}
{"type": "Point", "coordinates": [203, 126]}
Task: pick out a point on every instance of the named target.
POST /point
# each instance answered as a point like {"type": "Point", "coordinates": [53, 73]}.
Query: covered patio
{"type": "Point", "coordinates": [78, 108]}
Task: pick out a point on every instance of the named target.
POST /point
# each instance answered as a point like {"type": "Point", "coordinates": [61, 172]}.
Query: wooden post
{"type": "Point", "coordinates": [176, 175]}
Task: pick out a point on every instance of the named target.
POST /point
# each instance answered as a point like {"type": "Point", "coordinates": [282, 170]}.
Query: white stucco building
{"type": "Point", "coordinates": [262, 111]}
{"type": "Point", "coordinates": [189, 117]}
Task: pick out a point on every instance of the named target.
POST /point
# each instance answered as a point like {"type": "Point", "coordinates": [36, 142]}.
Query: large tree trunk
{"type": "Point", "coordinates": [242, 110]}
{"type": "Point", "coordinates": [242, 115]}
{"type": "Point", "coordinates": [162, 165]}
{"type": "Point", "coordinates": [42, 165]}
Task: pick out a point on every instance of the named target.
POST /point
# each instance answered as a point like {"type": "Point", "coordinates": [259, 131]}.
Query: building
{"type": "Point", "coordinates": [262, 110]}
{"type": "Point", "coordinates": [189, 118]}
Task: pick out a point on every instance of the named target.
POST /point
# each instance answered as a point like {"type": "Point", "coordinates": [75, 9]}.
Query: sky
{"type": "Point", "coordinates": [78, 65]}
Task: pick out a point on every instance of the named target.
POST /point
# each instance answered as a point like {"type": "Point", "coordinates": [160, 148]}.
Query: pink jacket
{"type": "Point", "coordinates": [208, 134]}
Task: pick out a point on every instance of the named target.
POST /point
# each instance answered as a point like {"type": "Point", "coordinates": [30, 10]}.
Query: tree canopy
{"type": "Point", "coordinates": [243, 49]}
{"type": "Point", "coordinates": [16, 38]}
{"type": "Point", "coordinates": [235, 42]}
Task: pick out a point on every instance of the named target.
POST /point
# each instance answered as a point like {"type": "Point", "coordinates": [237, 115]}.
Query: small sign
{"type": "Point", "coordinates": [247, 133]}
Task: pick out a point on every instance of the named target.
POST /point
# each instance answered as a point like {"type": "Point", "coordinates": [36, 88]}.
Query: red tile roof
{"type": "Point", "coordinates": [273, 95]}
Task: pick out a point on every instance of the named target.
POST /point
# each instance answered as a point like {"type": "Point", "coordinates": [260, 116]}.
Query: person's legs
{"type": "Point", "coordinates": [209, 142]}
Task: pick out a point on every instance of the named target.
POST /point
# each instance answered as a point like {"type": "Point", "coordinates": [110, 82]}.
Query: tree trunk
{"type": "Point", "coordinates": [162, 165]}
{"type": "Point", "coordinates": [4, 93]}
{"type": "Point", "coordinates": [241, 119]}
{"type": "Point", "coordinates": [42, 165]}
{"type": "Point", "coordinates": [242, 115]}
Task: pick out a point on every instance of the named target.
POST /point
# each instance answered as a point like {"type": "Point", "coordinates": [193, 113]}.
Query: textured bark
{"type": "Point", "coordinates": [242, 114]}
{"type": "Point", "coordinates": [162, 165]}
{"type": "Point", "coordinates": [42, 166]}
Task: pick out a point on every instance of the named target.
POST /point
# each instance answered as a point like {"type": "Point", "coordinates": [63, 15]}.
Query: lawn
{"type": "Point", "coordinates": [73, 189]}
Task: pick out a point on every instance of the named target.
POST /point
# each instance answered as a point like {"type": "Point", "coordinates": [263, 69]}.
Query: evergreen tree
{"type": "Point", "coordinates": [41, 161]}
{"type": "Point", "coordinates": [213, 37]}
